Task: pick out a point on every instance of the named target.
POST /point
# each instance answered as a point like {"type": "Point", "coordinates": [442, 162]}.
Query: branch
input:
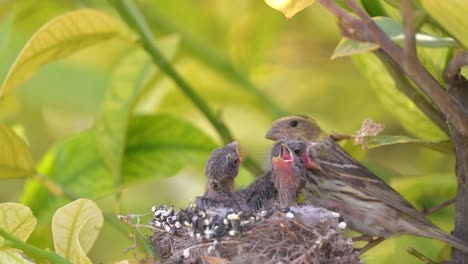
{"type": "Point", "coordinates": [132, 16]}
{"type": "Point", "coordinates": [31, 250]}
{"type": "Point", "coordinates": [452, 75]}
{"type": "Point", "coordinates": [404, 85]}
{"type": "Point", "coordinates": [438, 207]}
{"type": "Point", "coordinates": [419, 255]}
{"type": "Point", "coordinates": [365, 29]}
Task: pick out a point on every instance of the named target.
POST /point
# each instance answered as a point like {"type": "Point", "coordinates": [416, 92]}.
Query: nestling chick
{"type": "Point", "coordinates": [221, 169]}
{"type": "Point", "coordinates": [288, 175]}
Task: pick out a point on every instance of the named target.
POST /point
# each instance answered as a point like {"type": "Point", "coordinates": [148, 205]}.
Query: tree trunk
{"type": "Point", "coordinates": [460, 144]}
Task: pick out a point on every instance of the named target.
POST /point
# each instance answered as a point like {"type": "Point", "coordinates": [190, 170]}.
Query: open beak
{"type": "Point", "coordinates": [285, 156]}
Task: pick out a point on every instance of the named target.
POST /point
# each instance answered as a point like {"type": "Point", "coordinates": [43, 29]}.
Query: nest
{"type": "Point", "coordinates": [301, 234]}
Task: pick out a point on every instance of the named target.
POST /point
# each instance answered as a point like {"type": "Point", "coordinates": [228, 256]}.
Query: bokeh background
{"type": "Point", "coordinates": [289, 61]}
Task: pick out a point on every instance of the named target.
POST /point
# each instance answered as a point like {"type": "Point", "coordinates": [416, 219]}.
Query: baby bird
{"type": "Point", "coordinates": [221, 169]}
{"type": "Point", "coordinates": [288, 175]}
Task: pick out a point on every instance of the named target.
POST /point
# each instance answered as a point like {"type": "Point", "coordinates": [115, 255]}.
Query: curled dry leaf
{"type": "Point", "coordinates": [368, 128]}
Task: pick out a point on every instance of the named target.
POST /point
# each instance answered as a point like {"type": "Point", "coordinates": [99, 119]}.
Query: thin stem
{"type": "Point", "coordinates": [199, 48]}
{"type": "Point", "coordinates": [130, 13]}
{"type": "Point", "coordinates": [31, 250]}
{"type": "Point", "coordinates": [420, 256]}
{"type": "Point", "coordinates": [438, 207]}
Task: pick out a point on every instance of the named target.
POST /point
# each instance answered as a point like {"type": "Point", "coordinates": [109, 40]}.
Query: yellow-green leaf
{"type": "Point", "coordinates": [451, 15]}
{"type": "Point", "coordinates": [59, 38]}
{"type": "Point", "coordinates": [127, 81]}
{"type": "Point", "coordinates": [289, 7]}
{"type": "Point", "coordinates": [16, 219]}
{"type": "Point", "coordinates": [15, 158]}
{"type": "Point", "coordinates": [75, 228]}
{"type": "Point", "coordinates": [12, 256]}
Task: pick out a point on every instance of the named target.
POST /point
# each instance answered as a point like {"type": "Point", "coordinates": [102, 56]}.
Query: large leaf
{"type": "Point", "coordinates": [59, 38]}
{"type": "Point", "coordinates": [289, 7]}
{"type": "Point", "coordinates": [411, 118]}
{"type": "Point", "coordinates": [451, 15]}
{"type": "Point", "coordinates": [126, 83]}
{"type": "Point", "coordinates": [157, 146]}
{"type": "Point", "coordinates": [395, 31]}
{"type": "Point", "coordinates": [16, 219]}
{"type": "Point", "coordinates": [444, 146]}
{"type": "Point", "coordinates": [15, 158]}
{"type": "Point", "coordinates": [75, 228]}
{"type": "Point", "coordinates": [12, 256]}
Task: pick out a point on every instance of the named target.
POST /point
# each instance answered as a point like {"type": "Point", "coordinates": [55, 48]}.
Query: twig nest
{"type": "Point", "coordinates": [300, 234]}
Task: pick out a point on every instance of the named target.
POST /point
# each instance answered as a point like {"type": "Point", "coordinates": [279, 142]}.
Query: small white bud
{"type": "Point", "coordinates": [245, 222]}
{"type": "Point", "coordinates": [232, 232]}
{"type": "Point", "coordinates": [168, 228]}
{"type": "Point", "coordinates": [154, 208]}
{"type": "Point", "coordinates": [211, 249]}
{"type": "Point", "coordinates": [342, 225]}
{"type": "Point", "coordinates": [290, 215]}
{"type": "Point", "coordinates": [187, 224]}
{"type": "Point", "coordinates": [206, 221]}
{"type": "Point", "coordinates": [178, 224]}
{"type": "Point", "coordinates": [264, 213]}
{"type": "Point", "coordinates": [186, 253]}
{"type": "Point", "coordinates": [335, 215]}
{"type": "Point", "coordinates": [233, 217]}
{"type": "Point", "coordinates": [157, 223]}
{"type": "Point", "coordinates": [225, 221]}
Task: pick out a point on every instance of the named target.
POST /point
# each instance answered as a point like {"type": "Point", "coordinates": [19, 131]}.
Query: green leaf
{"type": "Point", "coordinates": [411, 118]}
{"type": "Point", "coordinates": [16, 219]}
{"type": "Point", "coordinates": [62, 36]}
{"type": "Point", "coordinates": [289, 7]}
{"type": "Point", "coordinates": [12, 256]}
{"type": "Point", "coordinates": [160, 146]}
{"type": "Point", "coordinates": [15, 158]}
{"type": "Point", "coordinates": [451, 15]}
{"type": "Point", "coordinates": [157, 146]}
{"type": "Point", "coordinates": [395, 31]}
{"type": "Point", "coordinates": [129, 77]}
{"type": "Point", "coordinates": [75, 228]}
{"type": "Point", "coordinates": [444, 146]}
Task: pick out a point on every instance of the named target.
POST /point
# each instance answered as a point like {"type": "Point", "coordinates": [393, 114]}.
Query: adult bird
{"type": "Point", "coordinates": [336, 181]}
{"type": "Point", "coordinates": [221, 169]}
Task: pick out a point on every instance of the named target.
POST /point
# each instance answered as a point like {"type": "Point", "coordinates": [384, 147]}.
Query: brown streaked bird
{"type": "Point", "coordinates": [221, 169]}
{"type": "Point", "coordinates": [340, 183]}
{"type": "Point", "coordinates": [288, 175]}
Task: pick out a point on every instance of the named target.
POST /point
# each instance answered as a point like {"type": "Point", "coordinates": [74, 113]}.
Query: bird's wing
{"type": "Point", "coordinates": [336, 163]}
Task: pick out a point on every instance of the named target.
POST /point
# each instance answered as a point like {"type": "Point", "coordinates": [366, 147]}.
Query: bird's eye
{"type": "Point", "coordinates": [297, 151]}
{"type": "Point", "coordinates": [293, 123]}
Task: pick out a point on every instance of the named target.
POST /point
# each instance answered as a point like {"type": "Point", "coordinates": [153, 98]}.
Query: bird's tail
{"type": "Point", "coordinates": [453, 241]}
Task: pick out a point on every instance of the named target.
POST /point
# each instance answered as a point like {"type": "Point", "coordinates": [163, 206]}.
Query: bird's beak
{"type": "Point", "coordinates": [235, 145]}
{"type": "Point", "coordinates": [309, 161]}
{"type": "Point", "coordinates": [273, 133]}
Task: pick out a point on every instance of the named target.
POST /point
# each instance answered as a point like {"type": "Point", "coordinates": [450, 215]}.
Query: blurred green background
{"type": "Point", "coordinates": [287, 60]}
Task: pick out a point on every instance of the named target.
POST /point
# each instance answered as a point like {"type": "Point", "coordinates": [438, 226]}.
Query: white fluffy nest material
{"type": "Point", "coordinates": [301, 234]}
